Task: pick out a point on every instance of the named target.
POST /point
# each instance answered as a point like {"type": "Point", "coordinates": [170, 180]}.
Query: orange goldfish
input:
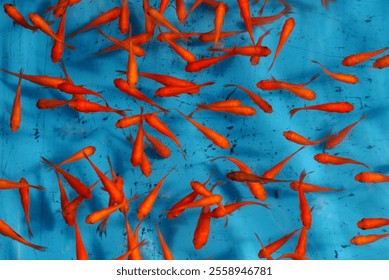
{"type": "Point", "coordinates": [181, 51]}
{"type": "Point", "coordinates": [57, 49]}
{"type": "Point", "coordinates": [366, 239]}
{"type": "Point", "coordinates": [369, 223]}
{"type": "Point", "coordinates": [285, 33]}
{"type": "Point", "coordinates": [336, 160]}
{"type": "Point", "coordinates": [25, 200]}
{"type": "Point", "coordinates": [216, 138]}
{"type": "Point", "coordinates": [6, 230]}
{"type": "Point", "coordinates": [18, 18]}
{"type": "Point", "coordinates": [381, 62]}
{"type": "Point", "coordinates": [81, 252]}
{"type": "Point", "coordinates": [241, 176]}
{"type": "Point", "coordinates": [160, 148]}
{"type": "Point", "coordinates": [124, 17]}
{"type": "Point", "coordinates": [355, 59]}
{"type": "Point", "coordinates": [371, 177]}
{"type": "Point", "coordinates": [86, 106]}
{"type": "Point", "coordinates": [7, 184]}
{"type": "Point", "coordinates": [254, 60]}
{"type": "Point", "coordinates": [341, 77]}
{"type": "Point", "coordinates": [173, 212]}
{"type": "Point", "coordinates": [17, 107]}
{"type": "Point", "coordinates": [299, 139]}
{"type": "Point", "coordinates": [210, 36]}
{"type": "Point", "coordinates": [147, 204]}
{"type": "Point", "coordinates": [89, 150]}
{"type": "Point", "coordinates": [104, 18]}
{"type": "Point", "coordinates": [310, 187]}
{"type": "Point", "coordinates": [296, 89]}
{"type": "Point", "coordinates": [201, 234]}
{"type": "Point", "coordinates": [181, 11]}
{"type": "Point", "coordinates": [324, 3]}
{"type": "Point", "coordinates": [244, 7]}
{"type": "Point", "coordinates": [137, 151]}
{"type": "Point", "coordinates": [175, 91]}
{"type": "Point", "coordinates": [336, 139]}
{"type": "Point", "coordinates": [220, 11]}
{"type": "Point", "coordinates": [203, 63]}
{"type": "Point", "coordinates": [305, 212]}
{"type": "Point", "coordinates": [50, 103]}
{"type": "Point", "coordinates": [266, 251]}
{"type": "Point", "coordinates": [167, 254]}
{"type": "Point", "coordinates": [333, 107]}
{"type": "Point", "coordinates": [245, 50]}
{"type": "Point", "coordinates": [230, 208]}
{"type": "Point", "coordinates": [70, 218]}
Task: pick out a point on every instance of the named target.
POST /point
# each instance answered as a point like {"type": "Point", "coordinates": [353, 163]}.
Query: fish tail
{"type": "Point", "coordinates": [37, 187]}
{"type": "Point", "coordinates": [293, 111]}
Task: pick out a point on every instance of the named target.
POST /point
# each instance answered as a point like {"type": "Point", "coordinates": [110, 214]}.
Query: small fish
{"type": "Point", "coordinates": [272, 172]}
{"type": "Point", "coordinates": [366, 239]}
{"type": "Point", "coordinates": [244, 7]}
{"type": "Point", "coordinates": [181, 11]}
{"type": "Point", "coordinates": [285, 33]}
{"type": "Point", "coordinates": [203, 63]}
{"type": "Point", "coordinates": [370, 223]}
{"type": "Point", "coordinates": [203, 228]}
{"type": "Point", "coordinates": [324, 3]}
{"type": "Point", "coordinates": [175, 91]}
{"type": "Point", "coordinates": [332, 107]}
{"type": "Point", "coordinates": [230, 208]}
{"type": "Point", "coordinates": [88, 151]}
{"type": "Point", "coordinates": [137, 151]}
{"type": "Point", "coordinates": [210, 36]}
{"type": "Point", "coordinates": [159, 147]}
{"type": "Point", "coordinates": [104, 18]}
{"type": "Point", "coordinates": [81, 252]}
{"type": "Point", "coordinates": [173, 212]}
{"type": "Point", "coordinates": [181, 51]}
{"type": "Point", "coordinates": [241, 176]}
{"type": "Point", "coordinates": [216, 138]}
{"type": "Point", "coordinates": [18, 18]}
{"type": "Point", "coordinates": [25, 200]}
{"type": "Point", "coordinates": [260, 51]}
{"type": "Point", "coordinates": [341, 77]}
{"type": "Point", "coordinates": [371, 177]}
{"type": "Point", "coordinates": [301, 140]}
{"type": "Point", "coordinates": [16, 117]}
{"type": "Point", "coordinates": [336, 139]}
{"type": "Point", "coordinates": [381, 62]}
{"type": "Point", "coordinates": [124, 17]}
{"type": "Point", "coordinates": [6, 230]}
{"type": "Point", "coordinates": [358, 58]}
{"type": "Point", "coordinates": [50, 103]}
{"type": "Point", "coordinates": [336, 160]}
{"type": "Point", "coordinates": [162, 21]}
{"type": "Point", "coordinates": [305, 211]}
{"type": "Point", "coordinates": [311, 187]}
{"type": "Point", "coordinates": [254, 60]}
{"type": "Point", "coordinates": [57, 49]}
{"type": "Point", "coordinates": [202, 202]}
{"type": "Point", "coordinates": [86, 106]}
{"type": "Point", "coordinates": [297, 89]}
{"type": "Point", "coordinates": [220, 11]}
{"type": "Point", "coordinates": [167, 254]}
{"type": "Point", "coordinates": [147, 204]}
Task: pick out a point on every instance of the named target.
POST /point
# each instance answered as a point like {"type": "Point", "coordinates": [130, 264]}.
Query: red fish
{"type": "Point", "coordinates": [371, 177]}
{"type": "Point", "coordinates": [272, 172]}
{"type": "Point", "coordinates": [124, 17]}
{"type": "Point", "coordinates": [337, 138]}
{"type": "Point", "coordinates": [89, 150]}
{"type": "Point", "coordinates": [220, 11]}
{"type": "Point", "coordinates": [268, 250]}
{"type": "Point", "coordinates": [25, 199]}
{"type": "Point", "coordinates": [381, 62]}
{"type": "Point", "coordinates": [245, 50]}
{"type": "Point", "coordinates": [104, 18]}
{"type": "Point", "coordinates": [311, 188]}
{"type": "Point", "coordinates": [167, 254]}
{"type": "Point", "coordinates": [244, 7]}
{"type": "Point", "coordinates": [177, 90]}
{"type": "Point", "coordinates": [137, 151]}
{"type": "Point", "coordinates": [203, 227]}
{"type": "Point", "coordinates": [203, 63]}
{"type": "Point", "coordinates": [355, 59]}
{"type": "Point", "coordinates": [18, 18]}
{"type": "Point", "coordinates": [17, 107]}
{"type": "Point", "coordinates": [336, 160]}
{"type": "Point", "coordinates": [333, 107]}
{"type": "Point", "coordinates": [254, 60]}
{"type": "Point", "coordinates": [366, 239]}
{"type": "Point", "coordinates": [324, 3]}
{"type": "Point", "coordinates": [298, 90]}
{"type": "Point", "coordinates": [240, 176]}
{"type": "Point", "coordinates": [305, 212]}
{"type": "Point", "coordinates": [159, 147]}
{"type": "Point", "coordinates": [341, 77]}
{"type": "Point", "coordinates": [230, 208]}
{"type": "Point", "coordinates": [50, 103]}
{"type": "Point", "coordinates": [81, 252]}
{"type": "Point", "coordinates": [181, 51]}
{"type": "Point", "coordinates": [285, 33]}
{"type": "Point", "coordinates": [369, 223]}
{"type": "Point", "coordinates": [57, 49]}
{"type": "Point", "coordinates": [86, 106]}
{"type": "Point", "coordinates": [181, 11]}
{"type": "Point", "coordinates": [299, 139]}
{"type": "Point", "coordinates": [6, 230]}
{"type": "Point", "coordinates": [216, 138]}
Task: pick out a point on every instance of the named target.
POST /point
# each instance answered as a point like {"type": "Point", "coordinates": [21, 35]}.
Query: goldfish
{"type": "Point", "coordinates": [25, 200]}
{"type": "Point", "coordinates": [168, 81]}
{"type": "Point", "coordinates": [358, 58]}
{"type": "Point", "coordinates": [18, 18]}
{"type": "Point", "coordinates": [41, 24]}
{"type": "Point", "coordinates": [17, 107]}
{"type": "Point", "coordinates": [336, 160]}
{"type": "Point", "coordinates": [104, 18]}
{"type": "Point", "coordinates": [341, 77]}
{"type": "Point", "coordinates": [88, 151]}
{"type": "Point", "coordinates": [287, 29]}
{"type": "Point", "coordinates": [369, 223]}
{"type": "Point", "coordinates": [123, 86]}
{"type": "Point", "coordinates": [72, 206]}
{"type": "Point", "coordinates": [147, 204]}
{"type": "Point", "coordinates": [131, 251]}
{"type": "Point", "coordinates": [167, 254]}
{"type": "Point", "coordinates": [203, 63]}
{"type": "Point", "coordinates": [230, 208]}
{"type": "Point", "coordinates": [241, 176]}
{"type": "Point", "coordinates": [216, 138]}
{"type": "Point", "coordinates": [173, 213]}
{"type": "Point", "coordinates": [296, 89]}
{"type": "Point", "coordinates": [227, 106]}
{"type": "Point", "coordinates": [7, 184]}
{"type": "Point", "coordinates": [181, 11]}
{"type": "Point", "coordinates": [332, 107]}
{"type": "Point", "coordinates": [220, 11]}
{"type": "Point", "coordinates": [73, 181]}
{"type": "Point", "coordinates": [366, 239]}
{"type": "Point", "coordinates": [132, 240]}
{"type": "Point", "coordinates": [268, 250]}
{"type": "Point", "coordinates": [50, 103]}
{"type": "Point", "coordinates": [57, 49]}
{"type": "Point", "coordinates": [381, 62]}
{"type": "Point", "coordinates": [124, 17]}
{"type": "Point", "coordinates": [161, 20]}
{"type": "Point", "coordinates": [159, 147]}
{"type": "Point", "coordinates": [181, 51]}
{"type": "Point", "coordinates": [311, 188]}
{"type": "Point", "coordinates": [244, 7]}
{"type": "Point", "coordinates": [81, 252]}
{"type": "Point", "coordinates": [163, 5]}
{"type": "Point", "coordinates": [132, 120]}
{"type": "Point", "coordinates": [254, 60]}
{"type": "Point", "coordinates": [71, 88]}
{"type": "Point", "coordinates": [272, 172]}
{"type": "Point", "coordinates": [59, 9]}
{"type": "Point", "coordinates": [305, 212]}
{"type": "Point", "coordinates": [256, 188]}
{"type": "Point", "coordinates": [105, 212]}
{"type": "Point", "coordinates": [371, 177]}
{"type": "Point", "coordinates": [202, 202]}
{"type": "Point", "coordinates": [337, 138]}
{"type": "Point", "coordinates": [162, 128]}
{"type": "Point", "coordinates": [45, 81]}
{"type": "Point", "coordinates": [299, 139]}
{"type": "Point", "coordinates": [7, 231]}
{"type": "Point", "coordinates": [175, 91]}
{"type": "Point", "coordinates": [263, 20]}
{"type": "Point", "coordinates": [203, 227]}
{"type": "Point", "coordinates": [210, 36]}
{"type": "Point", "coordinates": [69, 218]}
{"type": "Point", "coordinates": [86, 106]}
{"type": "Point", "coordinates": [245, 50]}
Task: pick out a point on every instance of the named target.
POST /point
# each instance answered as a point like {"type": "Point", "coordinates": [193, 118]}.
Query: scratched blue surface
{"type": "Point", "coordinates": [324, 35]}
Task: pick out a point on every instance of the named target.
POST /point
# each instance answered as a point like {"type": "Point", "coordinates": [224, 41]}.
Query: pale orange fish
{"type": "Point", "coordinates": [57, 49]}
{"type": "Point", "coordinates": [285, 33]}
{"type": "Point", "coordinates": [85, 106]}
{"type": "Point", "coordinates": [369, 223]}
{"type": "Point", "coordinates": [366, 239]}
{"type": "Point", "coordinates": [6, 230]}
{"type": "Point", "coordinates": [336, 160]}
{"type": "Point", "coordinates": [203, 63]}
{"type": "Point", "coordinates": [311, 187]}
{"type": "Point", "coordinates": [341, 77]}
{"type": "Point", "coordinates": [167, 254]}
{"type": "Point", "coordinates": [305, 211]}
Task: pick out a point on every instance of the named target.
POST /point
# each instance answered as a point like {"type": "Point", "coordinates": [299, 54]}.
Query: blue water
{"type": "Point", "coordinates": [324, 35]}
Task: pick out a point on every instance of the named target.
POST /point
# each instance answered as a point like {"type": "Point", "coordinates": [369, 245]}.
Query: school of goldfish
{"type": "Point", "coordinates": [233, 156]}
